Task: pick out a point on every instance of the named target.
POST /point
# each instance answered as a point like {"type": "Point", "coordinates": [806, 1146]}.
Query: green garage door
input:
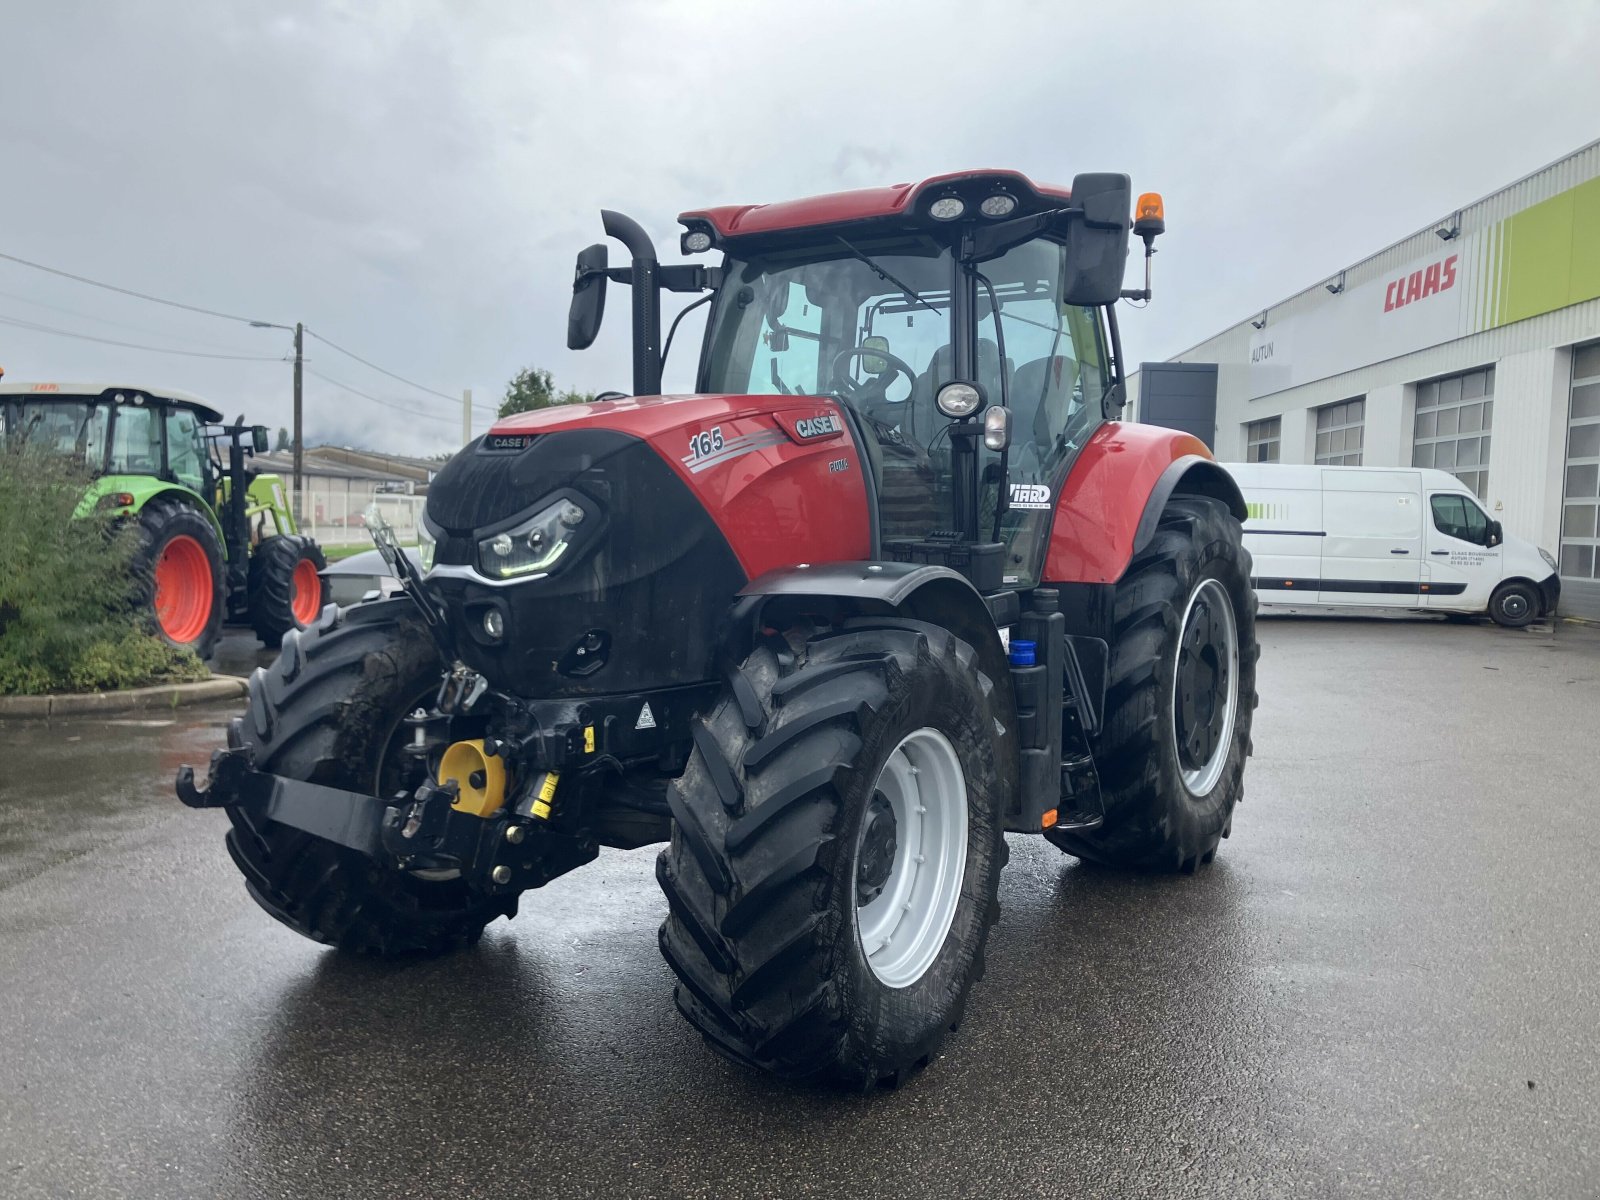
{"type": "Point", "coordinates": [1580, 509]}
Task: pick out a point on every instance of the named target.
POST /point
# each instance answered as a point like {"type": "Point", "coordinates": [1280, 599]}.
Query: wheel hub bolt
{"type": "Point", "coordinates": [515, 834]}
{"type": "Point", "coordinates": [501, 874]}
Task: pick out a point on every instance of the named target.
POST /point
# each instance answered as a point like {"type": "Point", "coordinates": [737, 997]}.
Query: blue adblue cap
{"type": "Point", "coordinates": [1022, 653]}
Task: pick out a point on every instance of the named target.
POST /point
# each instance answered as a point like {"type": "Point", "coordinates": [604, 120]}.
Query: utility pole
{"type": "Point", "coordinates": [299, 443]}
{"type": "Point", "coordinates": [466, 416]}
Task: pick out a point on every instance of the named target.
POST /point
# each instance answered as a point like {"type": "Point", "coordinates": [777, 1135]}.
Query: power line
{"type": "Point", "coordinates": [83, 316]}
{"type": "Point", "coordinates": [380, 370]}
{"type": "Point", "coordinates": [111, 287]}
{"type": "Point", "coordinates": [415, 412]}
{"type": "Point", "coordinates": [86, 337]}
{"type": "Point", "coordinates": [210, 312]}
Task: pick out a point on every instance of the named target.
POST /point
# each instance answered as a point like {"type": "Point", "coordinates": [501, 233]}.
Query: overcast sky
{"type": "Point", "coordinates": [414, 185]}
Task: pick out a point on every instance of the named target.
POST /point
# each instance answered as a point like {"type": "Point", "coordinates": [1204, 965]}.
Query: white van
{"type": "Point", "coordinates": [1390, 537]}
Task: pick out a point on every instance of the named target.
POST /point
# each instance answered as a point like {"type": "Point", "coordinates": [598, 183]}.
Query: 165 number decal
{"type": "Point", "coordinates": [708, 442]}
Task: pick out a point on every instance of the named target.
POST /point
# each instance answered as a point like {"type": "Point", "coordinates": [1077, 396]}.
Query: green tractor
{"type": "Point", "coordinates": [216, 538]}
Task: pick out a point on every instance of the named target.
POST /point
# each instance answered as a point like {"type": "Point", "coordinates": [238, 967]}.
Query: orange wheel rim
{"type": "Point", "coordinates": [305, 592]}
{"type": "Point", "coordinates": [183, 590]}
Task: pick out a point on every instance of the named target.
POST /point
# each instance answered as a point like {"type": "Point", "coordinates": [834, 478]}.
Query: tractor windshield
{"type": "Point", "coordinates": [877, 328]}
{"type": "Point", "coordinates": [72, 429]}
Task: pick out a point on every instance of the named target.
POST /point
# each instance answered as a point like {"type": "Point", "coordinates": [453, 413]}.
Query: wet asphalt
{"type": "Point", "coordinates": [1387, 985]}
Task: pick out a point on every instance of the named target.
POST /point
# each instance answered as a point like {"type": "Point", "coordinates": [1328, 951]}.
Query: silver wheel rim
{"type": "Point", "coordinates": [1205, 687]}
{"type": "Point", "coordinates": [903, 927]}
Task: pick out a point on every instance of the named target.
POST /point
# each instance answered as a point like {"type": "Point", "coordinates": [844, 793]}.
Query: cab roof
{"type": "Point", "coordinates": [905, 203]}
{"type": "Point", "coordinates": [46, 392]}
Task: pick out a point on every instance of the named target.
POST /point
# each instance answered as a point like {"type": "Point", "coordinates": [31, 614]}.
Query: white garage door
{"type": "Point", "coordinates": [1580, 512]}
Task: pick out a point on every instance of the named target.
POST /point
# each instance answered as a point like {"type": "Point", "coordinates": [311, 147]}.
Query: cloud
{"type": "Point", "coordinates": [414, 179]}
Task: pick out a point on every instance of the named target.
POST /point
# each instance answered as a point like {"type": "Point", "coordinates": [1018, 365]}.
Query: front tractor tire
{"type": "Point", "coordinates": [836, 852]}
{"type": "Point", "coordinates": [283, 590]}
{"type": "Point", "coordinates": [179, 567]}
{"type": "Point", "coordinates": [1180, 696]}
{"type": "Point", "coordinates": [330, 710]}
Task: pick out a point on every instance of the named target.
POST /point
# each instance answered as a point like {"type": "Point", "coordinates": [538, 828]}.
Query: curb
{"type": "Point", "coordinates": [162, 695]}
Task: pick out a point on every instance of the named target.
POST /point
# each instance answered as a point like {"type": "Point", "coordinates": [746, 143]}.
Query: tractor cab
{"type": "Point", "coordinates": [964, 324]}
{"type": "Point", "coordinates": [115, 431]}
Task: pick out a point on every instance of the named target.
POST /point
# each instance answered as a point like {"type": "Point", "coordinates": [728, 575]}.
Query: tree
{"type": "Point", "coordinates": [532, 388]}
{"type": "Point", "coordinates": [283, 439]}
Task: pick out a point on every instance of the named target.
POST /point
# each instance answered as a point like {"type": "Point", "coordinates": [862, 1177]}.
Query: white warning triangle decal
{"type": "Point", "coordinates": [647, 719]}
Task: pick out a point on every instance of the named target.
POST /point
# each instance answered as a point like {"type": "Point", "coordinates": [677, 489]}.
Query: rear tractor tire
{"type": "Point", "coordinates": [835, 857]}
{"type": "Point", "coordinates": [284, 587]}
{"type": "Point", "coordinates": [330, 710]}
{"type": "Point", "coordinates": [179, 567]}
{"type": "Point", "coordinates": [1180, 696]}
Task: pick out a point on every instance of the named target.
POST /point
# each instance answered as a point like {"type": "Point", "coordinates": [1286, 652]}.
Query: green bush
{"type": "Point", "coordinates": [70, 620]}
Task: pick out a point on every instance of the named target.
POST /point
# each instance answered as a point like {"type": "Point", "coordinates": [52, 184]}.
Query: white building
{"type": "Point", "coordinates": [1472, 345]}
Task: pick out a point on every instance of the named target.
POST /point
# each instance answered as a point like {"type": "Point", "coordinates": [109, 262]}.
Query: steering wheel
{"type": "Point", "coordinates": [876, 389]}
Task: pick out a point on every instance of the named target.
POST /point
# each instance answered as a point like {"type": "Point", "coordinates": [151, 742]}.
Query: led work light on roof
{"type": "Point", "coordinates": [998, 205]}
{"type": "Point", "coordinates": [947, 208]}
{"type": "Point", "coordinates": [959, 399]}
{"type": "Point", "coordinates": [696, 241]}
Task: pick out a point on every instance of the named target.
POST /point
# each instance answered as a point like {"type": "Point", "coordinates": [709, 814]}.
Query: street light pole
{"type": "Point", "coordinates": [299, 444]}
{"type": "Point", "coordinates": [297, 500]}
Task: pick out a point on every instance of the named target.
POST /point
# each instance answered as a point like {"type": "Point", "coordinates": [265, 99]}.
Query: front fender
{"type": "Point", "coordinates": [931, 594]}
{"type": "Point", "coordinates": [1112, 500]}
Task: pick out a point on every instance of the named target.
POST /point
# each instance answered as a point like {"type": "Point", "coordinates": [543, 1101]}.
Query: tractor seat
{"type": "Point", "coordinates": [1041, 399]}
{"type": "Point", "coordinates": [941, 369]}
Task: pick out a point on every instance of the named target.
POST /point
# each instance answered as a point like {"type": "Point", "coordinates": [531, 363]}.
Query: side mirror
{"type": "Point", "coordinates": [258, 439]}
{"type": "Point", "coordinates": [1097, 238]}
{"type": "Point", "coordinates": [1497, 534]}
{"type": "Point", "coordinates": [872, 364]}
{"type": "Point", "coordinates": [588, 297]}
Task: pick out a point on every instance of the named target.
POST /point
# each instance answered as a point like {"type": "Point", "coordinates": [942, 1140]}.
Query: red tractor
{"type": "Point", "coordinates": [893, 583]}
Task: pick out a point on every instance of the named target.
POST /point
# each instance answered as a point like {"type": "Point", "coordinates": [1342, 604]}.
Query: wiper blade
{"type": "Point", "coordinates": [888, 278]}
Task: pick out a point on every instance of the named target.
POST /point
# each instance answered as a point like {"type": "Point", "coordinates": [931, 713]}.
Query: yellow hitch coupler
{"type": "Point", "coordinates": [479, 776]}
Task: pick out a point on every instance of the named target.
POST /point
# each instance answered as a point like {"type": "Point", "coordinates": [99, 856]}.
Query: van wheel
{"type": "Point", "coordinates": [1514, 605]}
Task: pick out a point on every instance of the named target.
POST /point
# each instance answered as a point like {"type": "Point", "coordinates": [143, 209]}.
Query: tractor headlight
{"type": "Point", "coordinates": [427, 546]}
{"type": "Point", "coordinates": [959, 399]}
{"type": "Point", "coordinates": [947, 208]}
{"type": "Point", "coordinates": [534, 546]}
{"type": "Point", "coordinates": [998, 205]}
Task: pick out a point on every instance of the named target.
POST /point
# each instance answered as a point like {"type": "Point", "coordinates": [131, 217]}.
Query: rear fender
{"type": "Point", "coordinates": [143, 489]}
{"type": "Point", "coordinates": [1113, 497]}
{"type": "Point", "coordinates": [935, 595]}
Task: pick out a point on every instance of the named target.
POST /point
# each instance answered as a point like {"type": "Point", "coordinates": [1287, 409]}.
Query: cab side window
{"type": "Point", "coordinates": [135, 442]}
{"type": "Point", "coordinates": [185, 449]}
{"type": "Point", "coordinates": [1458, 517]}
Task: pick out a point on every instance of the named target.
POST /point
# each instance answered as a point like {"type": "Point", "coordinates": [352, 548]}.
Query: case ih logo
{"type": "Point", "coordinates": [818, 426]}
{"type": "Point", "coordinates": [1030, 495]}
{"type": "Point", "coordinates": [1419, 285]}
